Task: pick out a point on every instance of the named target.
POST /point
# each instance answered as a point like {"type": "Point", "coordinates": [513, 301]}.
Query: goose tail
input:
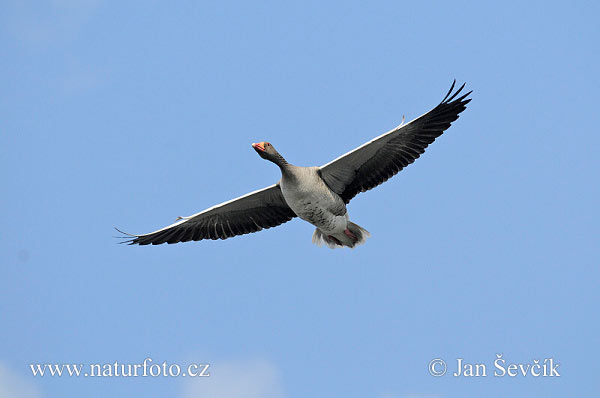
{"type": "Point", "coordinates": [353, 236]}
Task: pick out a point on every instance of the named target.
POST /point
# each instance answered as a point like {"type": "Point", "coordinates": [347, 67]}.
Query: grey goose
{"type": "Point", "coordinates": [316, 194]}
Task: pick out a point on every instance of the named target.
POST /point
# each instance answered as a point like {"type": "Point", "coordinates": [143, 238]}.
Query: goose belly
{"type": "Point", "coordinates": [315, 210]}
{"type": "Point", "coordinates": [322, 219]}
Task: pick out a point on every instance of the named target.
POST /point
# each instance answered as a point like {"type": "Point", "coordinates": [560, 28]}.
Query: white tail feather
{"type": "Point", "coordinates": [335, 241]}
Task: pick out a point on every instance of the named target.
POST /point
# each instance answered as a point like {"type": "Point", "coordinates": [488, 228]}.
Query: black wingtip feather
{"type": "Point", "coordinates": [129, 241]}
{"type": "Point", "coordinates": [450, 96]}
{"type": "Point", "coordinates": [124, 233]}
{"type": "Point", "coordinates": [461, 99]}
{"type": "Point", "coordinates": [449, 91]}
{"type": "Point", "coordinates": [455, 94]}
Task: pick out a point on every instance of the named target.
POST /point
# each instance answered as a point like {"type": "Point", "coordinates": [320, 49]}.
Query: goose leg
{"type": "Point", "coordinates": [349, 234]}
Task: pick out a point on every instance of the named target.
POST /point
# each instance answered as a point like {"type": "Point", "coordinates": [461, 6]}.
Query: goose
{"type": "Point", "coordinates": [318, 195]}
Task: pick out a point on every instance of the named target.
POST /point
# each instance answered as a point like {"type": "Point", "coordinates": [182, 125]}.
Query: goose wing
{"type": "Point", "coordinates": [252, 212]}
{"type": "Point", "coordinates": [383, 157]}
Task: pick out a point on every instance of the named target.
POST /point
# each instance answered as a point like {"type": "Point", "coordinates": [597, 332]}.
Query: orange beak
{"type": "Point", "coordinates": [259, 147]}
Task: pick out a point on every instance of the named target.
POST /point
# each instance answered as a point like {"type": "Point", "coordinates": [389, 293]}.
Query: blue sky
{"type": "Point", "coordinates": [131, 114]}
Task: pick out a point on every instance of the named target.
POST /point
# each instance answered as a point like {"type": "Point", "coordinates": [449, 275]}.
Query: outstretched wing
{"type": "Point", "coordinates": [252, 212]}
{"type": "Point", "coordinates": [383, 157]}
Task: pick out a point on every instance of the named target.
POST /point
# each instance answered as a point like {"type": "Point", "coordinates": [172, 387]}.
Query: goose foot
{"type": "Point", "coordinates": [349, 234]}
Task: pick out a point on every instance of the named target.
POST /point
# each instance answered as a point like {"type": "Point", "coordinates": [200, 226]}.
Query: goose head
{"type": "Point", "coordinates": [266, 151]}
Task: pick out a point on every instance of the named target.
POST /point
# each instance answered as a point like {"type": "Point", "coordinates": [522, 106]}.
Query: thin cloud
{"type": "Point", "coordinates": [234, 379]}
{"type": "Point", "coordinates": [42, 25]}
{"type": "Point", "coordinates": [14, 385]}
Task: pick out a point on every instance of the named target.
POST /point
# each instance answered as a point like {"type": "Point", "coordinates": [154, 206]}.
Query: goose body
{"type": "Point", "coordinates": [312, 200]}
{"type": "Point", "coordinates": [317, 195]}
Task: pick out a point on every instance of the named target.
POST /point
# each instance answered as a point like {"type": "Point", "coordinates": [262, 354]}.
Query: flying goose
{"type": "Point", "coordinates": [316, 194]}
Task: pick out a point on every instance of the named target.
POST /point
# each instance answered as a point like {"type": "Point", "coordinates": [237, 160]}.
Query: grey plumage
{"type": "Point", "coordinates": [317, 194]}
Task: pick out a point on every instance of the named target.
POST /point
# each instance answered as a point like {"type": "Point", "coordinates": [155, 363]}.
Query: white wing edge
{"type": "Point", "coordinates": [185, 219]}
{"type": "Point", "coordinates": [374, 139]}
